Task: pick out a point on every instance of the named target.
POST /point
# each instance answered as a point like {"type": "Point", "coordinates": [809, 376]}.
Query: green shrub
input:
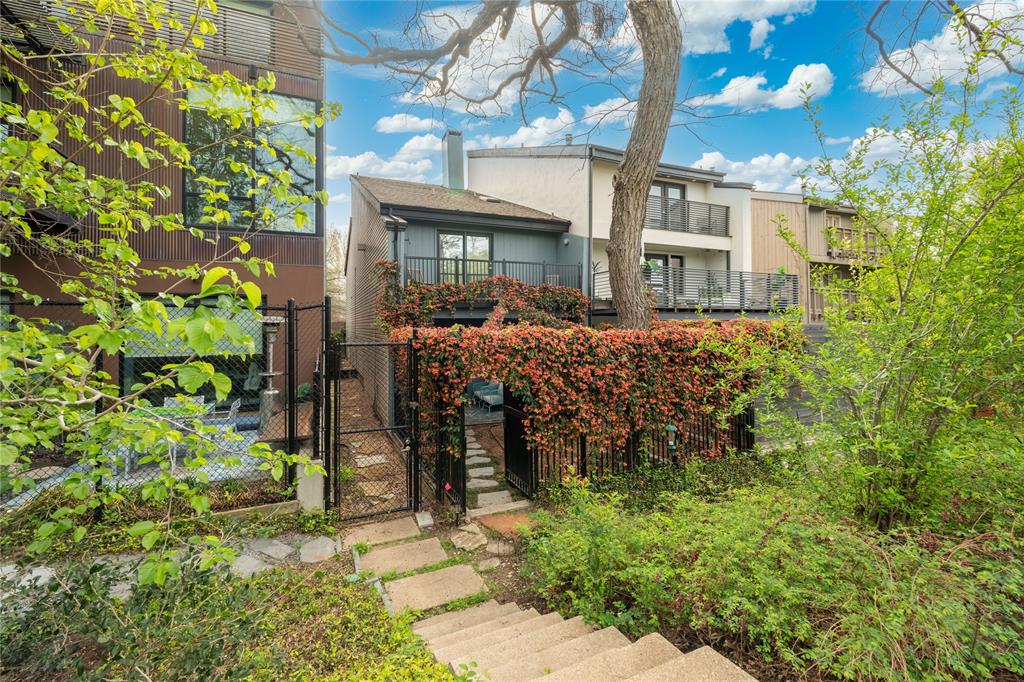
{"type": "Point", "coordinates": [321, 626]}
{"type": "Point", "coordinates": [765, 567]}
{"type": "Point", "coordinates": [193, 628]}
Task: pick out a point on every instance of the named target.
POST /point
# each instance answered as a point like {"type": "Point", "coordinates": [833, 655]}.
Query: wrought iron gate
{"type": "Point", "coordinates": [369, 448]}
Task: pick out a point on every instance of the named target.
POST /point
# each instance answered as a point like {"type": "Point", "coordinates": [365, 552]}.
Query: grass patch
{"type": "Point", "coordinates": [320, 626]}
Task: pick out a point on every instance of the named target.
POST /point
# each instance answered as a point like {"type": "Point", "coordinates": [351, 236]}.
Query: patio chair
{"type": "Point", "coordinates": [174, 401]}
{"type": "Point", "coordinates": [491, 395]}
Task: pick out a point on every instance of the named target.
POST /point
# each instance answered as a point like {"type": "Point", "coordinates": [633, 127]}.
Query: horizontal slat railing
{"type": "Point", "coordinates": [430, 270]}
{"type": "Point", "coordinates": [680, 215]}
{"type": "Point", "coordinates": [690, 288]}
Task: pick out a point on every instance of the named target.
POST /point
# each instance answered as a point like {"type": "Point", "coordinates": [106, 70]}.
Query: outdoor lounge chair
{"type": "Point", "coordinates": [491, 395]}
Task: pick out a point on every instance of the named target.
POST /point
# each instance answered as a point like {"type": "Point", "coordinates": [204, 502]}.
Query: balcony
{"type": "Point", "coordinates": [846, 243]}
{"type": "Point", "coordinates": [689, 289]}
{"type": "Point", "coordinates": [430, 270]}
{"type": "Point", "coordinates": [679, 215]}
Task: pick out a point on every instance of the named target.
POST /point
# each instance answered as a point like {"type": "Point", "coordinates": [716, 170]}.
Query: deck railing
{"type": "Point", "coordinates": [431, 270]}
{"type": "Point", "coordinates": [680, 215]}
{"type": "Point", "coordinates": [850, 243]}
{"type": "Point", "coordinates": [710, 290]}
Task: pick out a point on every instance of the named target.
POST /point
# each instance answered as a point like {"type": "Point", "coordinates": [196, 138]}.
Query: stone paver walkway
{"type": "Point", "coordinates": [485, 475]}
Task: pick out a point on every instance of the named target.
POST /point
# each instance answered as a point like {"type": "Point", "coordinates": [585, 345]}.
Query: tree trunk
{"type": "Point", "coordinates": [661, 42]}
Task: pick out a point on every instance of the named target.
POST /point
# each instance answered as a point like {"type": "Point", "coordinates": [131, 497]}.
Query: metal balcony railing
{"type": "Point", "coordinates": [711, 290]}
{"type": "Point", "coordinates": [680, 215]}
{"type": "Point", "coordinates": [431, 270]}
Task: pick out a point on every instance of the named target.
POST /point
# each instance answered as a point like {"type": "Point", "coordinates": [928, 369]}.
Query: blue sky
{"type": "Point", "coordinates": [744, 64]}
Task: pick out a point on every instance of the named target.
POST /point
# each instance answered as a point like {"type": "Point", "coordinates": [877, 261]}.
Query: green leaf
{"type": "Point", "coordinates": [252, 293]}
{"type": "Point", "coordinates": [8, 454]}
{"type": "Point", "coordinates": [141, 528]}
{"type": "Point", "coordinates": [212, 276]}
{"type": "Point", "coordinates": [150, 538]}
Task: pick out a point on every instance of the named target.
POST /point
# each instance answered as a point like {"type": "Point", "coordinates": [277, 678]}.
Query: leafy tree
{"type": "Point", "coordinates": [53, 391]}
{"type": "Point", "coordinates": [921, 382]}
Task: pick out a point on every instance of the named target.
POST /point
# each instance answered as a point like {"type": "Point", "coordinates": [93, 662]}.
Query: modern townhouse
{"type": "Point", "coordinates": [827, 234]}
{"type": "Point", "coordinates": [697, 237]}
{"type": "Point", "coordinates": [253, 38]}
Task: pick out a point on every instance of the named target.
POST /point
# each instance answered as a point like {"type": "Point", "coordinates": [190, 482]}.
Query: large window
{"type": "Point", "coordinates": [464, 256]}
{"type": "Point", "coordinates": [216, 147]}
{"type": "Point", "coordinates": [665, 206]}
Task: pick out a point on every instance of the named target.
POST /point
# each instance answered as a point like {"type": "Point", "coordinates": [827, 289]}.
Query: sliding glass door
{"type": "Point", "coordinates": [464, 256]}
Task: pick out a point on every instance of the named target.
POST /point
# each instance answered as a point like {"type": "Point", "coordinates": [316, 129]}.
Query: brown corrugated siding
{"type": "Point", "coordinates": [368, 243]}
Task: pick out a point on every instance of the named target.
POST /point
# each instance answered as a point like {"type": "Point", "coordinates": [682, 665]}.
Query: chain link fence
{"type": "Point", "coordinates": [273, 403]}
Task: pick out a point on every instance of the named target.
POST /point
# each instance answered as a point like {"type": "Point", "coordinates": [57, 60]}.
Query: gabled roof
{"type": "Point", "coordinates": [602, 153]}
{"type": "Point", "coordinates": [409, 199]}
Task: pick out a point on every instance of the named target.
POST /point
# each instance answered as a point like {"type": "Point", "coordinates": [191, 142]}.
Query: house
{"type": "Point", "coordinates": [697, 238]}
{"type": "Point", "coordinates": [443, 234]}
{"type": "Point", "coordinates": [827, 234]}
{"type": "Point", "coordinates": [253, 37]}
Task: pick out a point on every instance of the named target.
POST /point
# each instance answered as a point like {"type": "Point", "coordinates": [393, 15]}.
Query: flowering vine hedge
{"type": "Point", "coordinates": [416, 302]}
{"type": "Point", "coordinates": [606, 385]}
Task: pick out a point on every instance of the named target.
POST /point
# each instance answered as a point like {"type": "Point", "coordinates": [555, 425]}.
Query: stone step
{"type": "Point", "coordinates": [469, 632]}
{"type": "Point", "coordinates": [481, 484]}
{"type": "Point", "coordinates": [522, 647]}
{"type": "Point", "coordinates": [480, 472]}
{"type": "Point", "coordinates": [461, 648]}
{"type": "Point", "coordinates": [559, 656]}
{"type": "Point", "coordinates": [490, 499]}
{"type": "Point", "coordinates": [458, 620]}
{"type": "Point", "coordinates": [382, 531]}
{"type": "Point", "coordinates": [703, 665]}
{"type": "Point", "coordinates": [427, 590]}
{"type": "Point", "coordinates": [498, 508]}
{"type": "Point", "coordinates": [478, 461]}
{"type": "Point", "coordinates": [620, 664]}
{"type": "Point", "coordinates": [401, 558]}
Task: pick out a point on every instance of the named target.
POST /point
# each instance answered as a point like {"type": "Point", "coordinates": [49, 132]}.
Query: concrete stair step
{"type": "Point", "coordinates": [405, 557]}
{"type": "Point", "coordinates": [559, 656]}
{"type": "Point", "coordinates": [702, 665]}
{"type": "Point", "coordinates": [620, 664]}
{"type": "Point", "coordinates": [461, 648]}
{"type": "Point", "coordinates": [491, 499]}
{"type": "Point", "coordinates": [498, 508]}
{"type": "Point", "coordinates": [456, 620]}
{"type": "Point", "coordinates": [450, 637]}
{"type": "Point", "coordinates": [380, 532]}
{"type": "Point", "coordinates": [434, 588]}
{"type": "Point", "coordinates": [521, 647]}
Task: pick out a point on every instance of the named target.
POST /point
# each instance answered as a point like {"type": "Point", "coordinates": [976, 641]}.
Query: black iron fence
{"type": "Point", "coordinates": [430, 270]}
{"type": "Point", "coordinates": [710, 290]}
{"type": "Point", "coordinates": [680, 215]}
{"type": "Point", "coordinates": [274, 400]}
{"type": "Point", "coordinates": [527, 467]}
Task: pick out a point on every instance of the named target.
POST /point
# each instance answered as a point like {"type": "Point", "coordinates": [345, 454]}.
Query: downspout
{"type": "Point", "coordinates": [589, 268]}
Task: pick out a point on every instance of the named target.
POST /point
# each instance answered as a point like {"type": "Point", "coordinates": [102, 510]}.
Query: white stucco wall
{"type": "Point", "coordinates": [549, 184]}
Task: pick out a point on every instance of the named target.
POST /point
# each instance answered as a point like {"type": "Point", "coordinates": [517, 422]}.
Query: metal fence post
{"type": "Point", "coordinates": [291, 368]}
{"type": "Point", "coordinates": [325, 402]}
{"type": "Point", "coordinates": [414, 420]}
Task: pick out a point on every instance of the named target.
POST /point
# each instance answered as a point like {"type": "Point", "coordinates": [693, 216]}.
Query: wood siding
{"type": "Point", "coordinates": [368, 242]}
{"type": "Point", "coordinates": [161, 112]}
{"type": "Point", "coordinates": [769, 250]}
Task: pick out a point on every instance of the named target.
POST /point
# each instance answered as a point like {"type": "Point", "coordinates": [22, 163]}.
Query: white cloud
{"type": "Point", "coordinates": [542, 130]}
{"type": "Point", "coordinates": [744, 92]}
{"type": "Point", "coordinates": [419, 147]}
{"type": "Point", "coordinates": [369, 163]}
{"type": "Point", "coordinates": [942, 55]}
{"type": "Point", "coordinates": [718, 73]}
{"type": "Point", "coordinates": [993, 89]}
{"type": "Point", "coordinates": [614, 110]}
{"type": "Point", "coordinates": [837, 140]}
{"type": "Point", "coordinates": [339, 198]}
{"type": "Point", "coordinates": [704, 23]}
{"type": "Point", "coordinates": [770, 173]}
{"type": "Point", "coordinates": [404, 123]}
{"type": "Point", "coordinates": [759, 31]}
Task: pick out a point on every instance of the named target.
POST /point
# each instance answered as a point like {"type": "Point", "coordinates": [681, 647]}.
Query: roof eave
{"type": "Point", "coordinates": [420, 213]}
